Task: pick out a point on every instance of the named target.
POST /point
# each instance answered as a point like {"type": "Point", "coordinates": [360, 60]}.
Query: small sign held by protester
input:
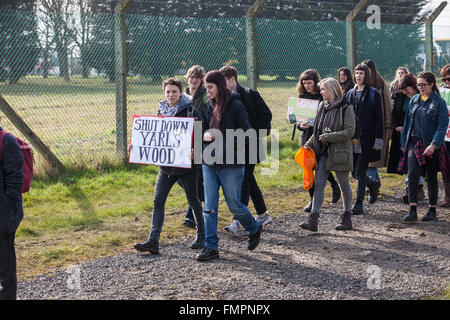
{"type": "Point", "coordinates": [161, 141]}
{"type": "Point", "coordinates": [302, 110]}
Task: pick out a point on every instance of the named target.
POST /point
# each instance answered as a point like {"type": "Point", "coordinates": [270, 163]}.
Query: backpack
{"type": "Point", "coordinates": [254, 108]}
{"type": "Point", "coordinates": [28, 160]}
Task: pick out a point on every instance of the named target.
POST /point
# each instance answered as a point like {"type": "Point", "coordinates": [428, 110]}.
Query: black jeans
{"type": "Point", "coordinates": [251, 189]}
{"type": "Point", "coordinates": [8, 270]}
{"type": "Point", "coordinates": [201, 196]}
{"type": "Point", "coordinates": [163, 186]}
{"type": "Point", "coordinates": [360, 166]}
{"type": "Point", "coordinates": [429, 170]}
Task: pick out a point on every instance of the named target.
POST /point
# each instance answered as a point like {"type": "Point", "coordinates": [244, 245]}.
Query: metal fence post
{"type": "Point", "coordinates": [430, 63]}
{"type": "Point", "coordinates": [121, 77]}
{"type": "Point", "coordinates": [251, 43]}
{"type": "Point", "coordinates": [351, 34]}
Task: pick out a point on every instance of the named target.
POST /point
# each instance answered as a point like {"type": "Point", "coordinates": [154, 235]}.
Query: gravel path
{"type": "Point", "coordinates": [382, 258]}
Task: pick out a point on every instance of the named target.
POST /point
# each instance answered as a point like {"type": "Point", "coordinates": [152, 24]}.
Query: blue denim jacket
{"type": "Point", "coordinates": [435, 117]}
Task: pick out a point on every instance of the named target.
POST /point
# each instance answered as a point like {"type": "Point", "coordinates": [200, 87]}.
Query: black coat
{"type": "Point", "coordinates": [370, 122]}
{"type": "Point", "coordinates": [235, 117]}
{"type": "Point", "coordinates": [11, 178]}
{"type": "Point", "coordinates": [258, 113]}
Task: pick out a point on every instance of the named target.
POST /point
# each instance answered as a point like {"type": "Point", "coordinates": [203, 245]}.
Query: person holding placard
{"type": "Point", "coordinates": [308, 88]}
{"type": "Point", "coordinates": [223, 164]}
{"type": "Point", "coordinates": [424, 130]}
{"type": "Point", "coordinates": [176, 104]}
{"type": "Point", "coordinates": [331, 141]}
{"type": "Point", "coordinates": [368, 140]}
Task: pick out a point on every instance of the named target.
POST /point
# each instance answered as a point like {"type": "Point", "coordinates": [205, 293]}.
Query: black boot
{"type": "Point", "coordinates": [312, 223]}
{"type": "Point", "coordinates": [374, 190]}
{"type": "Point", "coordinates": [148, 246]}
{"type": "Point", "coordinates": [412, 216]}
{"type": "Point", "coordinates": [431, 215]}
{"type": "Point", "coordinates": [336, 192]}
{"type": "Point", "coordinates": [199, 242]}
{"type": "Point", "coordinates": [346, 222]}
{"type": "Point", "coordinates": [358, 208]}
{"type": "Point", "coordinates": [254, 239]}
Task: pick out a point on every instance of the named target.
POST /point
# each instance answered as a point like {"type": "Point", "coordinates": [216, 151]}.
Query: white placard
{"type": "Point", "coordinates": [162, 141]}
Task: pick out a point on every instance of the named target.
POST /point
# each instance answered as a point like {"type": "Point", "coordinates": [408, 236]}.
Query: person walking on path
{"type": "Point", "coordinates": [368, 140]}
{"type": "Point", "coordinates": [176, 104]}
{"type": "Point", "coordinates": [424, 130]}
{"type": "Point", "coordinates": [260, 118]}
{"type": "Point", "coordinates": [194, 78]}
{"type": "Point", "coordinates": [308, 88]}
{"type": "Point", "coordinates": [373, 175]}
{"type": "Point", "coordinates": [224, 164]}
{"type": "Point", "coordinates": [331, 141]}
{"type": "Point", "coordinates": [11, 213]}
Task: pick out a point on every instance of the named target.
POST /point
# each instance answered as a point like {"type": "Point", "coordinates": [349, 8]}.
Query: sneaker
{"type": "Point", "coordinates": [207, 254]}
{"type": "Point", "coordinates": [233, 228]}
{"type": "Point", "coordinates": [253, 240]}
{"type": "Point", "coordinates": [264, 219]}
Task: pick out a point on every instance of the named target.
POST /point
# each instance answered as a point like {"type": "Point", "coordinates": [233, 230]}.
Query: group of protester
{"type": "Point", "coordinates": [357, 117]}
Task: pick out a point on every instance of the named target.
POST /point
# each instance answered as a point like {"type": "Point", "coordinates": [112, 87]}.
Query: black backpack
{"type": "Point", "coordinates": [254, 110]}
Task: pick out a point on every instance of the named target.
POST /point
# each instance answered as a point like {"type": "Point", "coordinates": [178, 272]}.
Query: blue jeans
{"type": "Point", "coordinates": [231, 180]}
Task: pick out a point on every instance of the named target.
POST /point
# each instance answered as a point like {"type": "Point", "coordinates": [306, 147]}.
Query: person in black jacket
{"type": "Point", "coordinates": [308, 88]}
{"type": "Point", "coordinates": [194, 78]}
{"type": "Point", "coordinates": [223, 164]}
{"type": "Point", "coordinates": [260, 118]}
{"type": "Point", "coordinates": [176, 104]}
{"type": "Point", "coordinates": [11, 213]}
{"type": "Point", "coordinates": [368, 140]}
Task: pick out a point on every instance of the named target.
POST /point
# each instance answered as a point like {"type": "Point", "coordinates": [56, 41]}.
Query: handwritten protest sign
{"type": "Point", "coordinates": [304, 110]}
{"type": "Point", "coordinates": [162, 141]}
{"type": "Point", "coordinates": [445, 94]}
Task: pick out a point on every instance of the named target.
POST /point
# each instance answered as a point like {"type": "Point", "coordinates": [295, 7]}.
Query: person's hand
{"type": "Point", "coordinates": [130, 146]}
{"type": "Point", "coordinates": [429, 151]}
{"type": "Point", "coordinates": [355, 141]}
{"type": "Point", "coordinates": [292, 119]}
{"type": "Point", "coordinates": [307, 147]}
{"type": "Point", "coordinates": [322, 137]}
{"type": "Point", "coordinates": [399, 129]}
{"type": "Point", "coordinates": [389, 134]}
{"type": "Point", "coordinates": [304, 125]}
{"type": "Point", "coordinates": [208, 137]}
{"type": "Point", "coordinates": [403, 149]}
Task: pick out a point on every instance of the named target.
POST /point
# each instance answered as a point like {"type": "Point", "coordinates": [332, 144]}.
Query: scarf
{"type": "Point", "coordinates": [325, 123]}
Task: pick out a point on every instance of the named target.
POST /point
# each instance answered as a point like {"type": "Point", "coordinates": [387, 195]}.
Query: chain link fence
{"type": "Point", "coordinates": [58, 74]}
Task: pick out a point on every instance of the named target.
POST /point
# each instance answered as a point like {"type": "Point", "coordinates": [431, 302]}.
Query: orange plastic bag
{"type": "Point", "coordinates": [307, 160]}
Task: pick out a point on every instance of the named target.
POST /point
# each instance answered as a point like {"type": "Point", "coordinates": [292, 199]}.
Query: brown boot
{"type": "Point", "coordinates": [446, 202]}
{"type": "Point", "coordinates": [346, 222]}
{"type": "Point", "coordinates": [312, 222]}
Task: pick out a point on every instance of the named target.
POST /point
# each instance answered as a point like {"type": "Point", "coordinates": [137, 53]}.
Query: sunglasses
{"type": "Point", "coordinates": [445, 79]}
{"type": "Point", "coordinates": [421, 85]}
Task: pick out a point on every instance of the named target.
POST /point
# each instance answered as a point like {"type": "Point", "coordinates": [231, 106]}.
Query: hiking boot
{"type": "Point", "coordinates": [148, 246]}
{"type": "Point", "coordinates": [374, 190]}
{"type": "Point", "coordinates": [312, 223]}
{"type": "Point", "coordinates": [199, 242]}
{"type": "Point", "coordinates": [233, 228]}
{"type": "Point", "coordinates": [189, 224]}
{"type": "Point", "coordinates": [207, 254]}
{"type": "Point", "coordinates": [446, 202]}
{"type": "Point", "coordinates": [412, 216]}
{"type": "Point", "coordinates": [336, 192]}
{"type": "Point", "coordinates": [254, 239]}
{"type": "Point", "coordinates": [358, 208]}
{"type": "Point", "coordinates": [308, 208]}
{"type": "Point", "coordinates": [431, 215]}
{"type": "Point", "coordinates": [264, 219]}
{"type": "Point", "coordinates": [346, 222]}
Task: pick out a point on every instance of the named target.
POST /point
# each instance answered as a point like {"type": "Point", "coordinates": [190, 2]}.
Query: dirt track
{"type": "Point", "coordinates": [382, 258]}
